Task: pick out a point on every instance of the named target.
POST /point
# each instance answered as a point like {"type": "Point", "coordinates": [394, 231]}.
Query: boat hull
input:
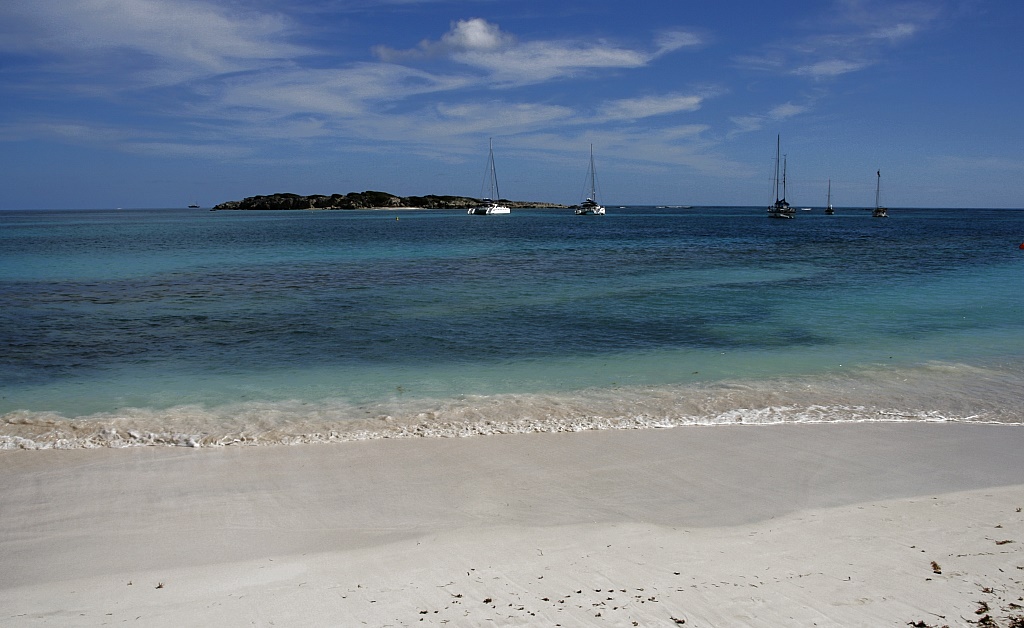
{"type": "Point", "coordinates": [781, 209]}
{"type": "Point", "coordinates": [489, 210]}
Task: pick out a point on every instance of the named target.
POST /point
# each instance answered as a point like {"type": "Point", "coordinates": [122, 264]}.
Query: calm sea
{"type": "Point", "coordinates": [198, 327]}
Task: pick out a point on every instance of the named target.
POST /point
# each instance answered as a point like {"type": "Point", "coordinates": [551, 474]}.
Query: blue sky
{"type": "Point", "coordinates": [158, 103]}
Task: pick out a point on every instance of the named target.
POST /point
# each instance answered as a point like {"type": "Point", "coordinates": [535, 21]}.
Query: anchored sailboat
{"type": "Point", "coordinates": [590, 207]}
{"type": "Point", "coordinates": [491, 204]}
{"type": "Point", "coordinates": [781, 208]}
{"type": "Point", "coordinates": [828, 206]}
{"type": "Point", "coordinates": [879, 211]}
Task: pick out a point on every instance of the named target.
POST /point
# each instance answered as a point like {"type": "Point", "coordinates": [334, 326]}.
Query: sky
{"type": "Point", "coordinates": [162, 103]}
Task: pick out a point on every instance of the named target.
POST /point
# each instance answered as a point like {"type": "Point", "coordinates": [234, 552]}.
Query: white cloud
{"type": "Point", "coordinates": [787, 110]}
{"type": "Point", "coordinates": [348, 91]}
{"type": "Point", "coordinates": [635, 108]}
{"type": "Point", "coordinates": [639, 150]}
{"type": "Point", "coordinates": [511, 117]}
{"type": "Point", "coordinates": [464, 36]}
{"type": "Point", "coordinates": [830, 67]}
{"type": "Point", "coordinates": [895, 32]}
{"type": "Point", "coordinates": [201, 37]}
{"type": "Point", "coordinates": [539, 62]}
{"type": "Point", "coordinates": [239, 81]}
{"type": "Point", "coordinates": [768, 62]}
{"type": "Point", "coordinates": [482, 45]}
{"type": "Point", "coordinates": [748, 124]}
{"type": "Point", "coordinates": [476, 34]}
{"type": "Point", "coordinates": [674, 40]}
{"type": "Point", "coordinates": [852, 36]}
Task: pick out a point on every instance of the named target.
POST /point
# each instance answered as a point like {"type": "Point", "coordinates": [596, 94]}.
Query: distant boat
{"type": "Point", "coordinates": [879, 211]}
{"type": "Point", "coordinates": [806, 209]}
{"type": "Point", "coordinates": [828, 207]}
{"type": "Point", "coordinates": [491, 204]}
{"type": "Point", "coordinates": [780, 209]}
{"type": "Point", "coordinates": [591, 207]}
{"type": "Point", "coordinates": [193, 205]}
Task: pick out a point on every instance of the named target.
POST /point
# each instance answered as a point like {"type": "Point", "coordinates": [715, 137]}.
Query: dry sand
{"type": "Point", "coordinates": [800, 525]}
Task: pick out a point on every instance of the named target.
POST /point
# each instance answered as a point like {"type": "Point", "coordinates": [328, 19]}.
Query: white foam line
{"type": "Point", "coordinates": [113, 438]}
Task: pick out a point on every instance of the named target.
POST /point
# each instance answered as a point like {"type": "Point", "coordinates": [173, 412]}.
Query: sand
{"type": "Point", "coordinates": [797, 525]}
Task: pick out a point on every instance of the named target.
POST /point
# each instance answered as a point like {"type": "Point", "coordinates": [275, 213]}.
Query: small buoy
{"type": "Point", "coordinates": [1022, 245]}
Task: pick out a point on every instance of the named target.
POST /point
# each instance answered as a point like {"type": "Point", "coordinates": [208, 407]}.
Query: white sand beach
{"type": "Point", "coordinates": [790, 525]}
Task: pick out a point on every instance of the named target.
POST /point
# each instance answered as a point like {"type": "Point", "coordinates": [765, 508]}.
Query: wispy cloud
{"type": "Point", "coordinates": [465, 36]}
{"type": "Point", "coordinates": [191, 150]}
{"type": "Point", "coordinates": [455, 127]}
{"type": "Point", "coordinates": [635, 108]}
{"type": "Point", "coordinates": [829, 68]}
{"type": "Point", "coordinates": [787, 110]}
{"type": "Point", "coordinates": [227, 80]}
{"type": "Point", "coordinates": [476, 35]}
{"type": "Point", "coordinates": [73, 131]}
{"type": "Point", "coordinates": [479, 44]}
{"type": "Point", "coordinates": [895, 32]}
{"type": "Point", "coordinates": [350, 91]}
{"type": "Point", "coordinates": [748, 124]}
{"type": "Point", "coordinates": [86, 133]}
{"type": "Point", "coordinates": [671, 41]}
{"type": "Point", "coordinates": [853, 36]}
{"type": "Point", "coordinates": [745, 124]}
{"type": "Point", "coordinates": [850, 38]}
{"type": "Point", "coordinates": [637, 150]}
{"type": "Point", "coordinates": [138, 37]}
{"type": "Point", "coordinates": [997, 164]}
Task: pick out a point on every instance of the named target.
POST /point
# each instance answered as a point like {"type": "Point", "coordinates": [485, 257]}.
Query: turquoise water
{"type": "Point", "coordinates": [186, 326]}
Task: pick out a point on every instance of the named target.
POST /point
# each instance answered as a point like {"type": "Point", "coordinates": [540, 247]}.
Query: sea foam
{"type": "Point", "coordinates": [938, 392]}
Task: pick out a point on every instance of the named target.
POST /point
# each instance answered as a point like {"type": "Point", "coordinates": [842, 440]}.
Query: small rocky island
{"type": "Point", "coordinates": [365, 200]}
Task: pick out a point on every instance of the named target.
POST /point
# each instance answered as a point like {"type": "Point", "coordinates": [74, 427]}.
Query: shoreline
{"type": "Point", "coordinates": [513, 205]}
{"type": "Point", "coordinates": [969, 393]}
{"type": "Point", "coordinates": [727, 525]}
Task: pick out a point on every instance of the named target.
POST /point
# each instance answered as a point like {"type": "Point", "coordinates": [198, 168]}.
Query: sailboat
{"type": "Point", "coordinates": [828, 207]}
{"type": "Point", "coordinates": [780, 209]}
{"type": "Point", "coordinates": [491, 204]}
{"type": "Point", "coordinates": [590, 207]}
{"type": "Point", "coordinates": [879, 211]}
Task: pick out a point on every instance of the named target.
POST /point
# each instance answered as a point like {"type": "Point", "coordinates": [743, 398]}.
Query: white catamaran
{"type": "Point", "coordinates": [590, 207]}
{"type": "Point", "coordinates": [781, 208]}
{"type": "Point", "coordinates": [491, 204]}
{"type": "Point", "coordinates": [879, 211]}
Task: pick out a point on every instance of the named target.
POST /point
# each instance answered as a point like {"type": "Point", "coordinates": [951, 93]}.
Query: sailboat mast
{"type": "Point", "coordinates": [778, 147]}
{"type": "Point", "coordinates": [878, 188]}
{"type": "Point", "coordinates": [784, 161]}
{"type": "Point", "coordinates": [593, 175]}
{"type": "Point", "coordinates": [495, 192]}
{"type": "Point", "coordinates": [830, 192]}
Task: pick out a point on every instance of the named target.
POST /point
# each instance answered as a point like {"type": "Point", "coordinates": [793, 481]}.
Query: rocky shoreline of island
{"type": "Point", "coordinates": [366, 200]}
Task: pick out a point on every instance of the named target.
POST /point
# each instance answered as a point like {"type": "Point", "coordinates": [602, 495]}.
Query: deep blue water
{"type": "Point", "coordinates": [164, 316]}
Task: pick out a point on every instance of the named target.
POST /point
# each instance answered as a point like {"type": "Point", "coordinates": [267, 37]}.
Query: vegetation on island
{"type": "Point", "coordinates": [364, 200]}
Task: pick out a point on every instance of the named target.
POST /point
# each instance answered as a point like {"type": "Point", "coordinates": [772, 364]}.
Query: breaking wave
{"type": "Point", "coordinates": [939, 392]}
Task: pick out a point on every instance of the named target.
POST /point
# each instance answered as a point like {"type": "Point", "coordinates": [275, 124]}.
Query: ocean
{"type": "Point", "coordinates": [200, 328]}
